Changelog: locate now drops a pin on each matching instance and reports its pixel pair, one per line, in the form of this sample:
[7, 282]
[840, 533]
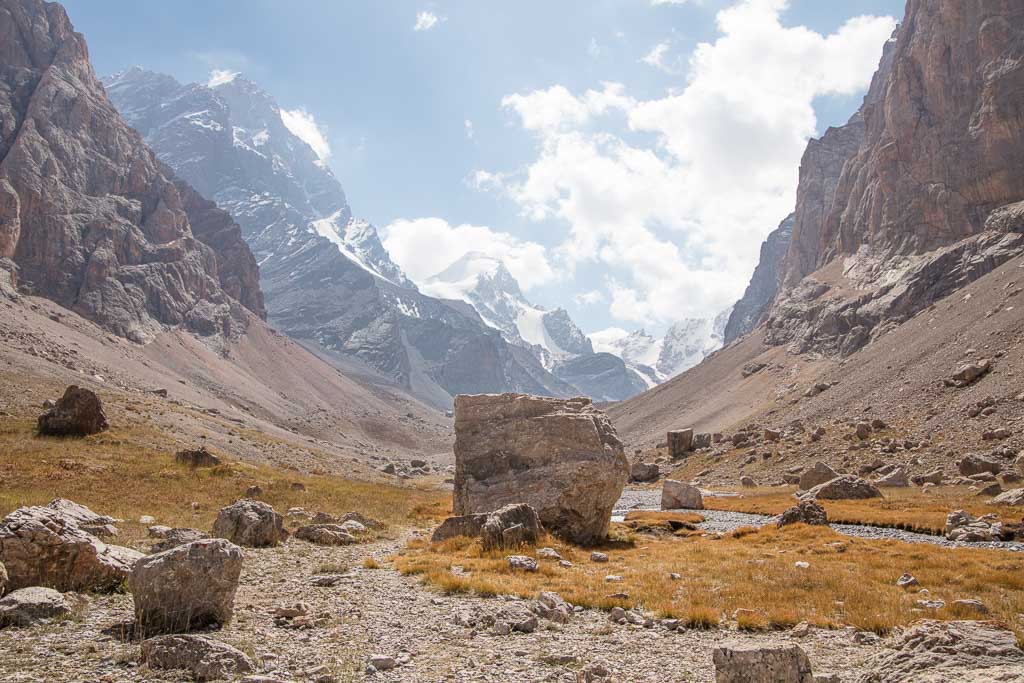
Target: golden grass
[850, 581]
[902, 508]
[130, 471]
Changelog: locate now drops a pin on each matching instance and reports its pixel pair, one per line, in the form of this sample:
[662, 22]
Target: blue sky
[624, 171]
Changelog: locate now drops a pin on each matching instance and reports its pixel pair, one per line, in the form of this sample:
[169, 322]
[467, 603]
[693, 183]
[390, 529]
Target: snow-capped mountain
[326, 277]
[486, 283]
[685, 344]
[551, 336]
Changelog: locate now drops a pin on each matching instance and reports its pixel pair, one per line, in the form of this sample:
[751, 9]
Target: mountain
[328, 281]
[752, 307]
[88, 216]
[686, 343]
[550, 336]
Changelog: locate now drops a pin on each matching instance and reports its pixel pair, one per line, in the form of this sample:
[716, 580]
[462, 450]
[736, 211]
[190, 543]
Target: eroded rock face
[40, 546]
[205, 658]
[926, 200]
[968, 651]
[78, 412]
[86, 212]
[562, 457]
[187, 587]
[759, 663]
[251, 524]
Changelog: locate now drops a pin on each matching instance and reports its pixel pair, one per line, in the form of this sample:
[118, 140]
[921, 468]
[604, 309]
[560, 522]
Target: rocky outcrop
[30, 606]
[40, 546]
[967, 651]
[927, 198]
[78, 412]
[963, 526]
[562, 457]
[750, 663]
[601, 376]
[186, 588]
[251, 524]
[752, 307]
[203, 657]
[86, 213]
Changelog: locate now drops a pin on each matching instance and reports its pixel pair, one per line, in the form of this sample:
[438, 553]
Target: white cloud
[221, 77]
[425, 21]
[470, 132]
[303, 125]
[678, 223]
[590, 298]
[676, 2]
[593, 49]
[604, 340]
[423, 247]
[659, 58]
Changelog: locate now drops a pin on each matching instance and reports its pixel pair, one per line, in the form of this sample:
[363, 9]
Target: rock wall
[86, 212]
[750, 310]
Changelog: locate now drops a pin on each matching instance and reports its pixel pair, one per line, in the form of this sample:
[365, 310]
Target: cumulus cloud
[674, 195]
[660, 59]
[221, 77]
[425, 21]
[423, 247]
[303, 125]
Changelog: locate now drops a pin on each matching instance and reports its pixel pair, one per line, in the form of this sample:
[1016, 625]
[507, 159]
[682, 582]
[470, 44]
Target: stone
[970, 373]
[42, 546]
[254, 491]
[510, 527]
[30, 606]
[518, 618]
[560, 456]
[382, 662]
[965, 527]
[461, 525]
[644, 472]
[990, 490]
[199, 457]
[203, 657]
[3, 579]
[906, 580]
[548, 554]
[87, 520]
[772, 435]
[677, 495]
[702, 440]
[933, 477]
[1011, 497]
[598, 557]
[895, 479]
[186, 588]
[847, 487]
[552, 607]
[961, 651]
[804, 512]
[353, 527]
[680, 442]
[747, 482]
[78, 412]
[862, 431]
[172, 538]
[761, 663]
[818, 474]
[325, 534]
[368, 522]
[973, 464]
[522, 563]
[250, 524]
[969, 605]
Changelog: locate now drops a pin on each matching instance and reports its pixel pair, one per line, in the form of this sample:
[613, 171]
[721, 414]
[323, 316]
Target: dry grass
[850, 581]
[128, 472]
[902, 508]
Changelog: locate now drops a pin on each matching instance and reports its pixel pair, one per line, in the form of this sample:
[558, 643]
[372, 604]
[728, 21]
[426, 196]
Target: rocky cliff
[925, 199]
[88, 216]
[750, 310]
[328, 280]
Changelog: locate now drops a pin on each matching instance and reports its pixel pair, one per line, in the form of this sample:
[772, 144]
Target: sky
[625, 158]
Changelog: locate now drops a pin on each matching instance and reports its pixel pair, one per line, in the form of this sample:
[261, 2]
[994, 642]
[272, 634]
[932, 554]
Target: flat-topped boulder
[761, 663]
[846, 487]
[560, 456]
[678, 495]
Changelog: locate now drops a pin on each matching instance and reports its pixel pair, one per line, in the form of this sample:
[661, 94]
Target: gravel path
[722, 521]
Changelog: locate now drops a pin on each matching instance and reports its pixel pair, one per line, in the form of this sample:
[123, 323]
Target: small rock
[205, 658]
[522, 563]
[30, 606]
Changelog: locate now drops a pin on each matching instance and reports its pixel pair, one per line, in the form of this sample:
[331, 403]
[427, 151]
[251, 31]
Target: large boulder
[172, 538]
[325, 534]
[250, 523]
[561, 457]
[816, 475]
[761, 663]
[965, 527]
[804, 512]
[961, 651]
[87, 520]
[78, 412]
[644, 472]
[680, 442]
[42, 546]
[847, 487]
[198, 457]
[511, 526]
[973, 464]
[461, 525]
[30, 606]
[677, 495]
[203, 657]
[897, 478]
[187, 587]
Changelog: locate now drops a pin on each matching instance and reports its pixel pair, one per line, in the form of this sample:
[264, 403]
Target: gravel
[721, 521]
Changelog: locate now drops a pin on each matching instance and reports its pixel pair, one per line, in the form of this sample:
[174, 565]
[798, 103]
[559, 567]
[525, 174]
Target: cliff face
[923, 201]
[86, 212]
[750, 310]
